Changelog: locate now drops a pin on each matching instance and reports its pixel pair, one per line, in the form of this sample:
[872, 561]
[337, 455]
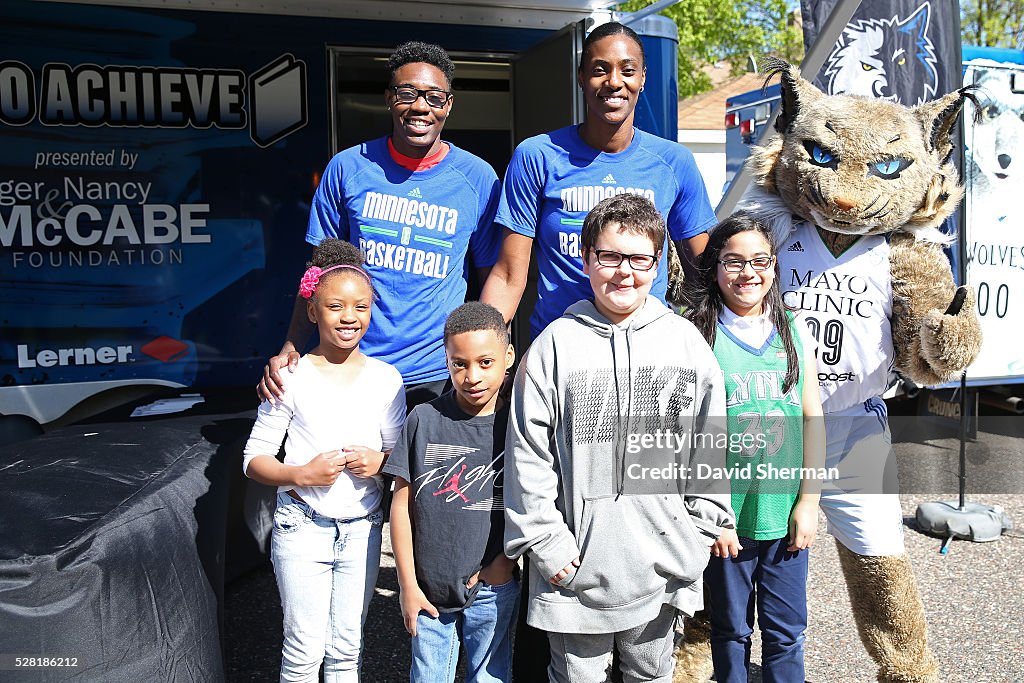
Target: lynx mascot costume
[843, 173]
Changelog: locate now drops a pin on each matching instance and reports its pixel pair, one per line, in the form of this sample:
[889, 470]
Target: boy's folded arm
[533, 522]
[710, 515]
[551, 553]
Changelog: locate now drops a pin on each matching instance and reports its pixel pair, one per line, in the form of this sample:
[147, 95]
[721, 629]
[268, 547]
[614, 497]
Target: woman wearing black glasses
[416, 206]
[554, 179]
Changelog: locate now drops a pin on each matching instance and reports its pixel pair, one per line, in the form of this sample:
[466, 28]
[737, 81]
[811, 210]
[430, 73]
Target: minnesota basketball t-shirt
[415, 229]
[555, 179]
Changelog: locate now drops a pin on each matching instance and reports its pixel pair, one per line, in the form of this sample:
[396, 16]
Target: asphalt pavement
[973, 598]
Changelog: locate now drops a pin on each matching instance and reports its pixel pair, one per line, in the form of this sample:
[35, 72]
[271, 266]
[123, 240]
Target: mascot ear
[937, 119]
[796, 92]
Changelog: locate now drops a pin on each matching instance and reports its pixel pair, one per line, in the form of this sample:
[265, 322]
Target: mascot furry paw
[855, 190]
[693, 651]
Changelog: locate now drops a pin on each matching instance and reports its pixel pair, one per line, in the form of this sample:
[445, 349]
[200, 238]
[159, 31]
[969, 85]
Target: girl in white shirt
[340, 415]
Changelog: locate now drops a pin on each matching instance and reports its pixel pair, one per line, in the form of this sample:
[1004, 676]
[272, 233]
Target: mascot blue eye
[820, 156]
[889, 169]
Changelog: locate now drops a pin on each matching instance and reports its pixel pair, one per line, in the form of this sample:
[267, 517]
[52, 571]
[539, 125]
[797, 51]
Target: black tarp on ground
[112, 544]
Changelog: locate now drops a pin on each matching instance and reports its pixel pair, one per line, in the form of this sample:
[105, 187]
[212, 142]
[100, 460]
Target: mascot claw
[957, 304]
[936, 329]
[951, 340]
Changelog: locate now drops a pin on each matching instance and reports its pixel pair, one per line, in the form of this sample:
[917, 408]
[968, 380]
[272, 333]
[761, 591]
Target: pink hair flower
[310, 279]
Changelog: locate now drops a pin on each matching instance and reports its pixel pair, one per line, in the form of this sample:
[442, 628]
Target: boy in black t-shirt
[447, 515]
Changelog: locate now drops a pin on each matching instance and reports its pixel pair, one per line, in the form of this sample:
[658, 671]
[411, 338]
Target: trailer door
[545, 96]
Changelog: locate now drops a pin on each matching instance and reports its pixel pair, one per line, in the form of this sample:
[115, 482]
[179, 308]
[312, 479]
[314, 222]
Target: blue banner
[902, 50]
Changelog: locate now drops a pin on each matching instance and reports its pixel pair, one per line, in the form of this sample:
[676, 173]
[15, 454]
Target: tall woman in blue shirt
[552, 182]
[554, 179]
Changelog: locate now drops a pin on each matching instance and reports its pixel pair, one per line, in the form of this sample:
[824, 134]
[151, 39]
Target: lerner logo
[165, 349]
[80, 355]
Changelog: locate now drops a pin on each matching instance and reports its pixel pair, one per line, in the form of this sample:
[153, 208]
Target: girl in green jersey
[774, 460]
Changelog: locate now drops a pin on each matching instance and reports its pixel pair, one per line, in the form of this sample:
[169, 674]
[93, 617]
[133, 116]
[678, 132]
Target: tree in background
[711, 31]
[992, 23]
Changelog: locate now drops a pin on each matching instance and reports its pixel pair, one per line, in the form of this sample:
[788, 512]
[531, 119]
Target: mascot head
[861, 166]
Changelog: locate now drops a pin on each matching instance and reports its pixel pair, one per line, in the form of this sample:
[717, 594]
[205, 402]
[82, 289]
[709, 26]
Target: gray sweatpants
[645, 653]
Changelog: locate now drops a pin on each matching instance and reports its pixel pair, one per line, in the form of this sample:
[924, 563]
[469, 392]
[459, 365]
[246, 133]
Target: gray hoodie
[585, 385]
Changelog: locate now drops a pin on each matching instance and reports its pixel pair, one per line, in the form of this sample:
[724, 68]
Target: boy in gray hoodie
[613, 408]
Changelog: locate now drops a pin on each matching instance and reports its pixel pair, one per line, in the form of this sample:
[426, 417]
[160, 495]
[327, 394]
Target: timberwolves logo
[891, 59]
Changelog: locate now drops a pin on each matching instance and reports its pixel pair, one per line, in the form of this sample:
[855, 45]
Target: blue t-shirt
[415, 229]
[554, 179]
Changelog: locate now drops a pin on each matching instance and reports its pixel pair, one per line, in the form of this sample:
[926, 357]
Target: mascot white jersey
[847, 307]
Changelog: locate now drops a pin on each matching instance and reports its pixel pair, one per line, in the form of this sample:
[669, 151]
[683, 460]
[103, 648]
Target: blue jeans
[326, 570]
[764, 574]
[485, 627]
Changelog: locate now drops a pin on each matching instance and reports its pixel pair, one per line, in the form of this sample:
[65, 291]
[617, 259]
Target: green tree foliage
[734, 30]
[993, 23]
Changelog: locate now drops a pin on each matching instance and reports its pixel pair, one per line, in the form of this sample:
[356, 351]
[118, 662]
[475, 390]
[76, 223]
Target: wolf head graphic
[891, 59]
[995, 154]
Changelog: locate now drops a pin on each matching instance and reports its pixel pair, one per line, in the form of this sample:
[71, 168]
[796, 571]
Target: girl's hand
[413, 602]
[498, 572]
[362, 461]
[323, 470]
[726, 545]
[803, 525]
[564, 572]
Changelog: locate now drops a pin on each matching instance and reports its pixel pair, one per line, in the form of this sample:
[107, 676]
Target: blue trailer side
[156, 169]
[746, 115]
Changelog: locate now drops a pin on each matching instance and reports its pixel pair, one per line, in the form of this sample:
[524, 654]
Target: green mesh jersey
[765, 432]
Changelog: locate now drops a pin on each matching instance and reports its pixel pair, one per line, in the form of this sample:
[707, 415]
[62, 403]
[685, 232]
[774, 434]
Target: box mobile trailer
[157, 161]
